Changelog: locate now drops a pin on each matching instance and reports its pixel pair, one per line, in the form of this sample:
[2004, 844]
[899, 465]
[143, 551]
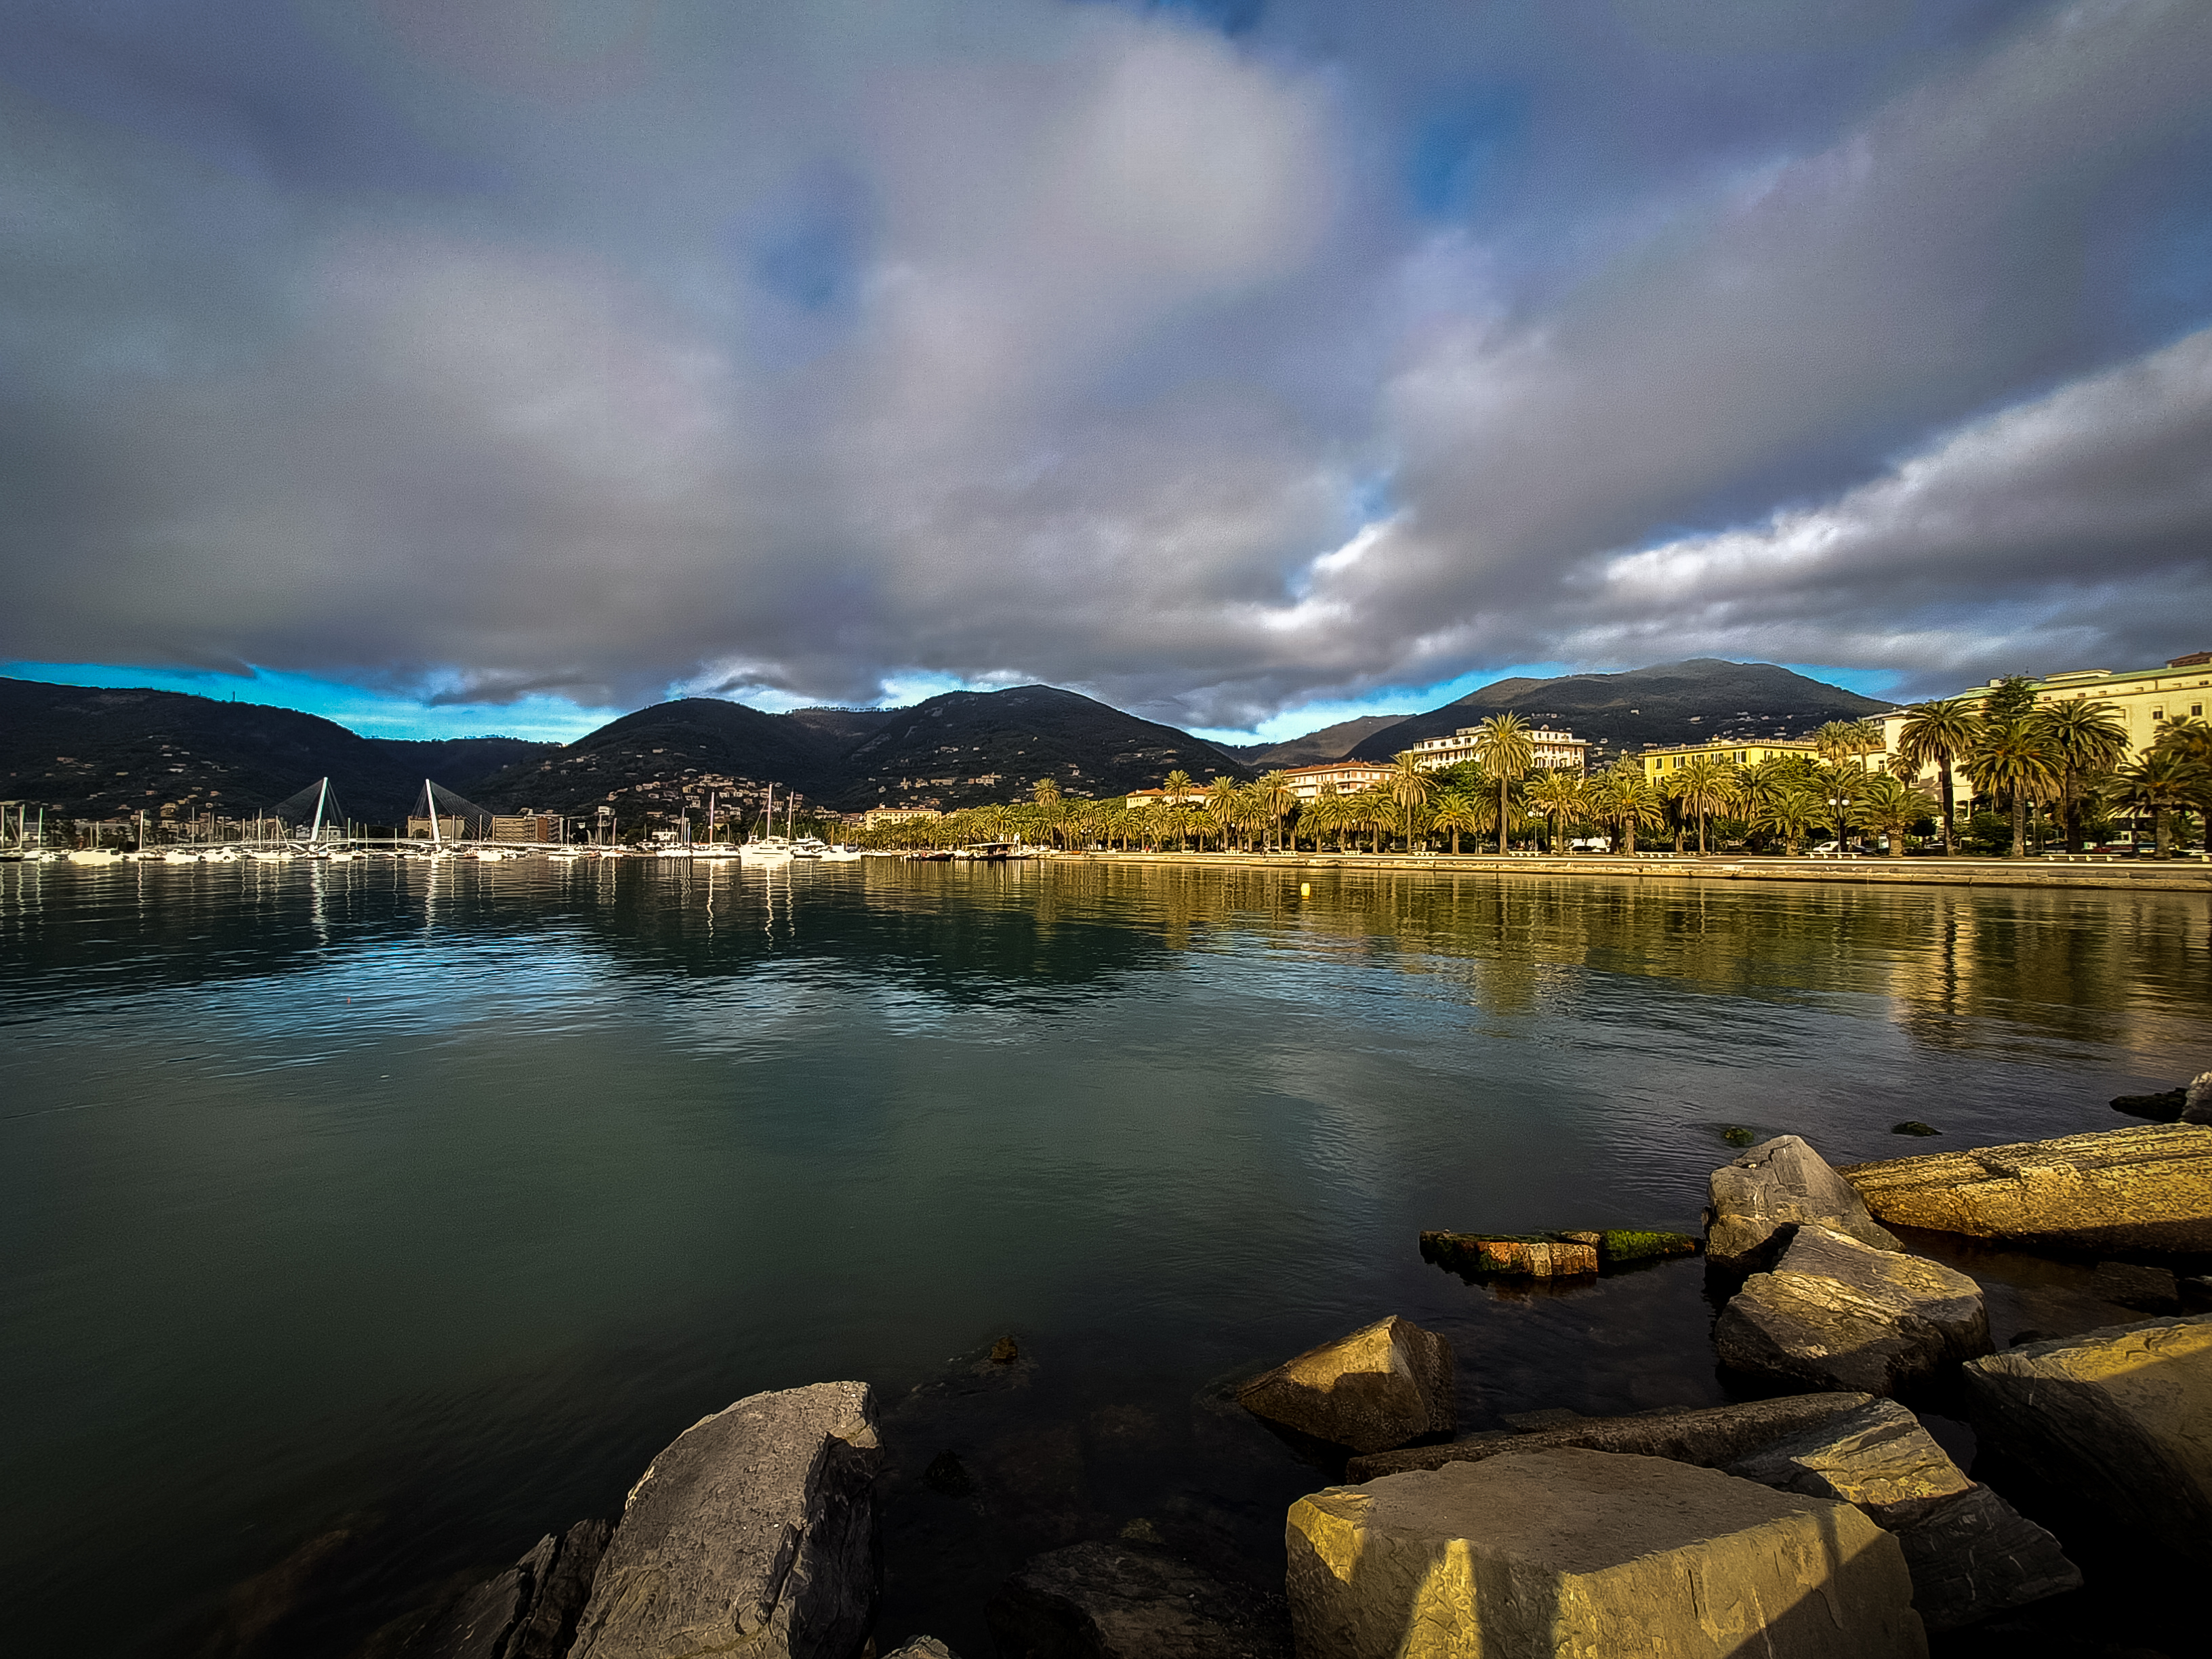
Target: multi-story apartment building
[875, 816]
[1347, 777]
[1658, 761]
[1553, 750]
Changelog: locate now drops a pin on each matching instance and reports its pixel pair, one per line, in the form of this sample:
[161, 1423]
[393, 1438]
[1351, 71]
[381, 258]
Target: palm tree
[2158, 783]
[1412, 788]
[1276, 800]
[1703, 787]
[1044, 796]
[2085, 738]
[2191, 739]
[1841, 741]
[1504, 747]
[1371, 810]
[1624, 799]
[1220, 805]
[1458, 812]
[1176, 785]
[1787, 808]
[1889, 805]
[1938, 732]
[1560, 796]
[2010, 758]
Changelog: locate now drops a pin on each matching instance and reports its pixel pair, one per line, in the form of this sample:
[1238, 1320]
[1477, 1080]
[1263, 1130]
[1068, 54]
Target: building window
[2196, 708]
[2158, 713]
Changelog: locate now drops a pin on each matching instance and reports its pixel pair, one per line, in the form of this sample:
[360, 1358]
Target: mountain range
[1673, 703]
[100, 753]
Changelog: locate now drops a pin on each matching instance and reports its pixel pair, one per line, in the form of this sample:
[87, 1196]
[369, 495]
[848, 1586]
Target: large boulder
[1971, 1555]
[2145, 1187]
[1571, 1552]
[1779, 1183]
[1130, 1600]
[1838, 1314]
[2197, 1099]
[754, 1531]
[2119, 1420]
[1380, 1387]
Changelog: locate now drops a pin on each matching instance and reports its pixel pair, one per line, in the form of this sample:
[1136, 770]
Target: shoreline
[2174, 875]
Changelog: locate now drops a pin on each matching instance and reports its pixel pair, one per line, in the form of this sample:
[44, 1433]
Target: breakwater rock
[1778, 1183]
[1384, 1384]
[1970, 1554]
[2147, 1187]
[756, 1529]
[1838, 1314]
[1569, 1551]
[2120, 1419]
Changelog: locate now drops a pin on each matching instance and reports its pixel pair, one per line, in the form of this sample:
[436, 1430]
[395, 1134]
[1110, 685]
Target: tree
[1276, 801]
[1177, 784]
[2158, 783]
[2190, 739]
[1412, 788]
[1705, 785]
[1937, 733]
[1560, 796]
[1839, 742]
[1889, 805]
[1457, 811]
[2085, 740]
[2012, 698]
[1504, 747]
[1220, 804]
[1627, 800]
[1786, 807]
[2010, 758]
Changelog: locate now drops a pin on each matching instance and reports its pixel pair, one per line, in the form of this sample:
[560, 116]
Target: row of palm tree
[2010, 748]
[2067, 753]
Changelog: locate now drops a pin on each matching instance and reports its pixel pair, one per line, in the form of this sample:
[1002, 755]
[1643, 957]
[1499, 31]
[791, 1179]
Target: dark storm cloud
[1211, 364]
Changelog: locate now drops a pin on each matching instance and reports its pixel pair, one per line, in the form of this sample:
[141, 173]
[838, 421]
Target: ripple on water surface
[426, 1204]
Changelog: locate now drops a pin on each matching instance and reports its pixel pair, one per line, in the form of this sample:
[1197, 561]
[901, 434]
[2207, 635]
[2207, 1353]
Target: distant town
[2078, 763]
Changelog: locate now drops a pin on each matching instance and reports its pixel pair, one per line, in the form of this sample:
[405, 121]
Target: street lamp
[1842, 805]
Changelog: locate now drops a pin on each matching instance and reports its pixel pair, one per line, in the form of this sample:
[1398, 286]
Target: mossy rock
[1511, 1255]
[1617, 1245]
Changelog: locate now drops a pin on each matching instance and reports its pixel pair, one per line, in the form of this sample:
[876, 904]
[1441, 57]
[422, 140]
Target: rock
[2197, 1099]
[1579, 1553]
[1616, 1247]
[1913, 1125]
[1550, 1417]
[1974, 1556]
[1711, 1436]
[1005, 1351]
[561, 1573]
[1838, 1314]
[1378, 1388]
[2161, 1108]
[756, 1525]
[2120, 1419]
[1124, 1601]
[2145, 1187]
[1736, 1135]
[922, 1647]
[2153, 1290]
[1775, 1184]
[1527, 1255]
[1970, 1553]
[1876, 1457]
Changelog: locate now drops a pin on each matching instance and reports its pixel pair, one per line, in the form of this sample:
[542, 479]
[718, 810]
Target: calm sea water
[422, 1206]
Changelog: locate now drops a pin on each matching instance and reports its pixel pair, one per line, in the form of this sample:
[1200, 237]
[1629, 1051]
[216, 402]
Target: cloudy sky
[486, 364]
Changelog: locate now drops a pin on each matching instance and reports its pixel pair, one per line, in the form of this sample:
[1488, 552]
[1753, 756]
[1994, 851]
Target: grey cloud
[797, 350]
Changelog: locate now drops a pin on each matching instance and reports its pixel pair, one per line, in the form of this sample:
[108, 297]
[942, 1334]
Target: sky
[452, 366]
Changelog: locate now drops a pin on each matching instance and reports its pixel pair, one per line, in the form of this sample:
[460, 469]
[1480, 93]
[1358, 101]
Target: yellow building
[875, 816]
[2144, 698]
[1729, 751]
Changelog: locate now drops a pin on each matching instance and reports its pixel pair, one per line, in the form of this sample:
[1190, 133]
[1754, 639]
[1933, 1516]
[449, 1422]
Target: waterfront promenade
[2192, 875]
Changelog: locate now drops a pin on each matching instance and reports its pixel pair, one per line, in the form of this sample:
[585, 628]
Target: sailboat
[770, 849]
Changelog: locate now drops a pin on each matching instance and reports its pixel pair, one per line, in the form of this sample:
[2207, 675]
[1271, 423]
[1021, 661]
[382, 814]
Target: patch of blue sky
[1231, 17]
[372, 714]
[1867, 682]
[1456, 147]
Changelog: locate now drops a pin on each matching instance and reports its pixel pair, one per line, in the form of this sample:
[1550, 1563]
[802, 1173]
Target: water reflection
[450, 1191]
